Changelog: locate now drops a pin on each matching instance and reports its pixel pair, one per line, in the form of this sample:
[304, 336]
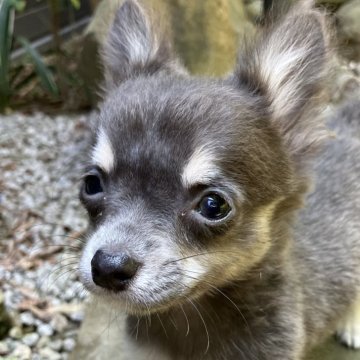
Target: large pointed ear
[287, 66]
[135, 46]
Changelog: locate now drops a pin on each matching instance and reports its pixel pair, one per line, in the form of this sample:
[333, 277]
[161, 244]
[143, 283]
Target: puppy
[196, 191]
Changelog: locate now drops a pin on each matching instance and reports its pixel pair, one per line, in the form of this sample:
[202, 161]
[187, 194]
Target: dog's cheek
[85, 265]
[240, 250]
[194, 271]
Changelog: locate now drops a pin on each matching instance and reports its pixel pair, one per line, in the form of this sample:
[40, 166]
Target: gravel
[56, 345]
[4, 348]
[69, 344]
[26, 318]
[59, 323]
[31, 339]
[21, 352]
[45, 330]
[41, 232]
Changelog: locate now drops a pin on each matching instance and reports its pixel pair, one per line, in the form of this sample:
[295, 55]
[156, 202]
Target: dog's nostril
[113, 271]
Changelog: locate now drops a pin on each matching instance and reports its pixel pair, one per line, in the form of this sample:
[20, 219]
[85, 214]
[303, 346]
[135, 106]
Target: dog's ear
[286, 66]
[135, 47]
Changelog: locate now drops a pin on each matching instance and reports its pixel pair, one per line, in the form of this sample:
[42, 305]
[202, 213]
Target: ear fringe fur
[137, 44]
[288, 66]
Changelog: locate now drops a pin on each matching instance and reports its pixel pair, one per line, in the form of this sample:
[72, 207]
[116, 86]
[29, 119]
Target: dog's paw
[348, 331]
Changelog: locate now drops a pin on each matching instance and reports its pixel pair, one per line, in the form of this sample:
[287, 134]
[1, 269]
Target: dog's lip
[132, 303]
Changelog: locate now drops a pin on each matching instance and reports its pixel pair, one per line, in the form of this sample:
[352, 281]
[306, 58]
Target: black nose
[113, 271]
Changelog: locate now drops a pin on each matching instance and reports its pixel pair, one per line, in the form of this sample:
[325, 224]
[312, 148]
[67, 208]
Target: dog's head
[188, 176]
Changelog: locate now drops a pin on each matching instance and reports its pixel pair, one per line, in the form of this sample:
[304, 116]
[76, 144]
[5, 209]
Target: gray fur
[257, 285]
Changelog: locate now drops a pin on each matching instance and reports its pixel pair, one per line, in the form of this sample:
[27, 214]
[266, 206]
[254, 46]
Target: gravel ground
[41, 229]
[42, 226]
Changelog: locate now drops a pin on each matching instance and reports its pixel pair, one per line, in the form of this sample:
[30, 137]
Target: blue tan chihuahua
[217, 224]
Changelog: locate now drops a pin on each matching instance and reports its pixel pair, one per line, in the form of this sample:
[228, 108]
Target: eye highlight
[92, 185]
[213, 207]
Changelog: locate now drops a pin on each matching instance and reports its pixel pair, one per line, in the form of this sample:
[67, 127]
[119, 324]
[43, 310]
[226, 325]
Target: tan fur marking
[103, 154]
[200, 169]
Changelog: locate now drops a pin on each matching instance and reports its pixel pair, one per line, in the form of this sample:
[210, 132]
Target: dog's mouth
[141, 304]
[141, 297]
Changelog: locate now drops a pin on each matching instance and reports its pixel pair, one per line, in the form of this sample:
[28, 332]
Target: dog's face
[187, 175]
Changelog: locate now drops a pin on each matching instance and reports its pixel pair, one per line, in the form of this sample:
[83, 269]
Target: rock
[348, 19]
[43, 342]
[56, 345]
[27, 318]
[98, 27]
[4, 348]
[45, 330]
[68, 294]
[31, 339]
[77, 316]
[15, 332]
[69, 345]
[21, 352]
[207, 33]
[59, 323]
[48, 354]
[89, 67]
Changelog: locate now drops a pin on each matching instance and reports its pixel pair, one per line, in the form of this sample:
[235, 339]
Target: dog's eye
[92, 185]
[213, 207]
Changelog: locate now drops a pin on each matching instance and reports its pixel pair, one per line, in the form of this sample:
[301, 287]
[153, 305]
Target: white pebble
[21, 352]
[56, 345]
[27, 318]
[4, 348]
[47, 353]
[69, 344]
[45, 330]
[31, 339]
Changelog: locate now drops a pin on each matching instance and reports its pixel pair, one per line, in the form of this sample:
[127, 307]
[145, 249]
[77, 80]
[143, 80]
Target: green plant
[76, 4]
[41, 69]
[7, 14]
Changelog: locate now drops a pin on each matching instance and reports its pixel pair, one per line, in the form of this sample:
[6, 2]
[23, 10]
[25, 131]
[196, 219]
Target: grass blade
[75, 4]
[7, 12]
[44, 73]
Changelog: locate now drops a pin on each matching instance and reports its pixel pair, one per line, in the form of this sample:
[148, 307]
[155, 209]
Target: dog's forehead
[166, 126]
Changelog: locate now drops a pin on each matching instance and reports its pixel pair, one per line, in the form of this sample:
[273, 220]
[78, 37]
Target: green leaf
[19, 5]
[76, 4]
[7, 16]
[7, 13]
[45, 75]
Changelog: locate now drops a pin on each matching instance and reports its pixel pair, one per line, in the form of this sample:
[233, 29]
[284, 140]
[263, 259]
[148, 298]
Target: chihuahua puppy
[196, 191]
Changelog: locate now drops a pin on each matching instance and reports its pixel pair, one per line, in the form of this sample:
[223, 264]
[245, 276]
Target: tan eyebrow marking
[201, 168]
[103, 154]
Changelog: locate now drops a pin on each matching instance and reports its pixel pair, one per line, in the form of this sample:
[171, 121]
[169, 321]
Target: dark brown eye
[213, 207]
[92, 185]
